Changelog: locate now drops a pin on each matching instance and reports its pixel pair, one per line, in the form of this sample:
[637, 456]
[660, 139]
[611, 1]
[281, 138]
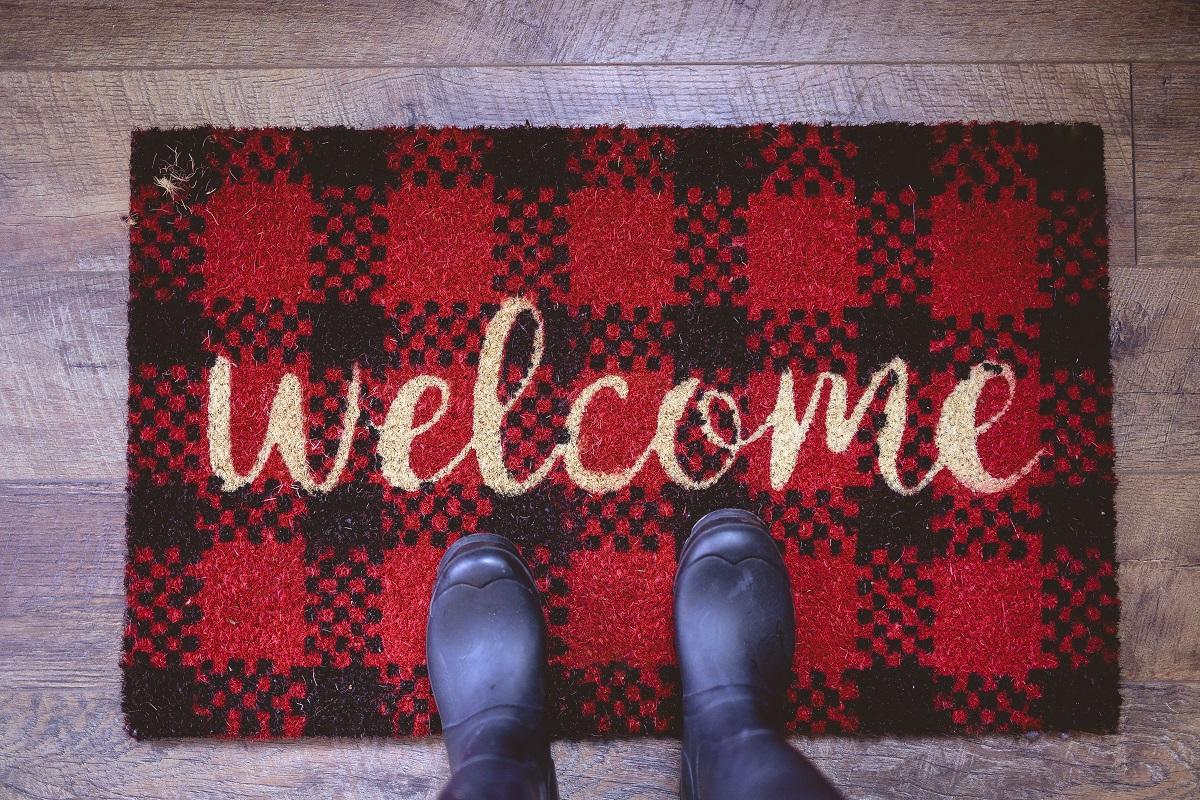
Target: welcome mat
[349, 348]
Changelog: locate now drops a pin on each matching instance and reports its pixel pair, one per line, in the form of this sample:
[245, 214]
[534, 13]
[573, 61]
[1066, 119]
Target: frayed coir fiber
[349, 348]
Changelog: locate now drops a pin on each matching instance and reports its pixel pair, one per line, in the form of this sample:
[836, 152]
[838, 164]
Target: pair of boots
[734, 634]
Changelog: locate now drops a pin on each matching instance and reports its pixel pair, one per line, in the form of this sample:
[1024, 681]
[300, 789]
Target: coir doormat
[349, 348]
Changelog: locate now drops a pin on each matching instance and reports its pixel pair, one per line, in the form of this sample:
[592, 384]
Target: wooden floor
[76, 76]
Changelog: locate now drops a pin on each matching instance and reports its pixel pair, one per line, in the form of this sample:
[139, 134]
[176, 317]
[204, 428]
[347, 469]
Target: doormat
[349, 348]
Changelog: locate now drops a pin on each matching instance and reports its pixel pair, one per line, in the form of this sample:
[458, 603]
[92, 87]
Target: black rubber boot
[735, 635]
[487, 661]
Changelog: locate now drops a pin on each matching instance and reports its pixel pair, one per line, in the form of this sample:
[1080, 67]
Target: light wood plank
[64, 185]
[62, 566]
[1158, 518]
[1155, 329]
[62, 366]
[324, 33]
[1167, 130]
[69, 743]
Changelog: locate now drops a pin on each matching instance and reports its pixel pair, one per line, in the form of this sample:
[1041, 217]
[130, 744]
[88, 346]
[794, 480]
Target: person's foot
[487, 653]
[735, 636]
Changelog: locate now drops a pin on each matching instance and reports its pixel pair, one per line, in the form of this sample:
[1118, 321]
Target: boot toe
[733, 535]
[485, 640]
[734, 622]
[478, 560]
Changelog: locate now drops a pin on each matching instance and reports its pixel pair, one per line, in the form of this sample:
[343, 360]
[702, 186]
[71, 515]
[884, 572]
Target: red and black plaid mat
[349, 348]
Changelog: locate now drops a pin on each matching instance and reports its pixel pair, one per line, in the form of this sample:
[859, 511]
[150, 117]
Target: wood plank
[63, 561]
[428, 32]
[62, 566]
[1166, 114]
[1155, 329]
[62, 366]
[1159, 632]
[1158, 518]
[70, 743]
[64, 185]
[1157, 434]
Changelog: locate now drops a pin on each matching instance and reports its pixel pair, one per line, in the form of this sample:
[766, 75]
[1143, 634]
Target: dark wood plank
[1158, 601]
[428, 32]
[70, 743]
[1158, 517]
[1166, 100]
[1157, 434]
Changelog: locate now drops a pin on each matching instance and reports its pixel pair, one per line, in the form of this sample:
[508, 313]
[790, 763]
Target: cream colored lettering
[957, 433]
[669, 415]
[841, 424]
[285, 432]
[589, 480]
[787, 432]
[487, 440]
[398, 433]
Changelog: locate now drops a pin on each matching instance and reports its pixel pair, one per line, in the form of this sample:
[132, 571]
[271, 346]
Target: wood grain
[62, 366]
[1167, 130]
[1160, 634]
[70, 743]
[1158, 518]
[1155, 329]
[64, 186]
[124, 33]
